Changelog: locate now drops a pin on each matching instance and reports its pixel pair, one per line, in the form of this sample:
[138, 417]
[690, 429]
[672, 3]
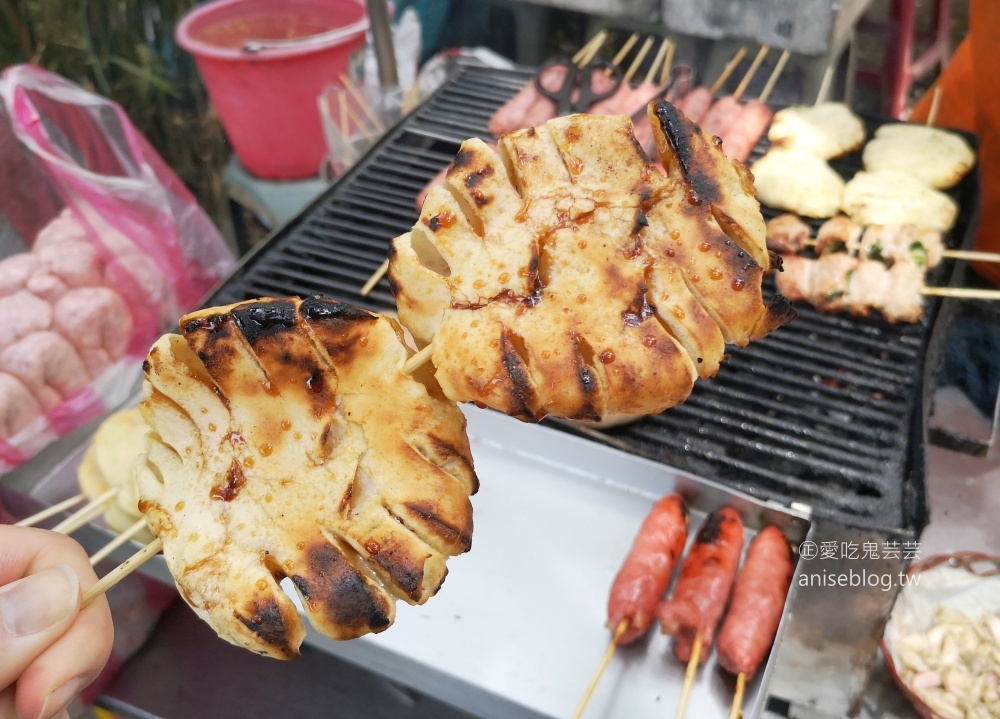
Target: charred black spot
[532, 132]
[639, 310]
[405, 571]
[712, 530]
[434, 223]
[393, 286]
[323, 308]
[480, 199]
[462, 159]
[684, 138]
[478, 176]
[639, 222]
[146, 366]
[438, 526]
[521, 385]
[266, 622]
[258, 320]
[777, 264]
[334, 588]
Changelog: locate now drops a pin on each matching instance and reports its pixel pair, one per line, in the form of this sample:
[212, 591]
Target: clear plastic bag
[101, 249]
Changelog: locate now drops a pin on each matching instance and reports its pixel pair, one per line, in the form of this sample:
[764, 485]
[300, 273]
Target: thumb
[34, 612]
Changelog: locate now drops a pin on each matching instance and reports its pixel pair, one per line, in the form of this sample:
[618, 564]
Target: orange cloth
[970, 100]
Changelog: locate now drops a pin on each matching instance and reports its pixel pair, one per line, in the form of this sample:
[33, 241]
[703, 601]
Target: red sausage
[758, 600]
[703, 587]
[696, 103]
[742, 135]
[511, 115]
[724, 113]
[644, 576]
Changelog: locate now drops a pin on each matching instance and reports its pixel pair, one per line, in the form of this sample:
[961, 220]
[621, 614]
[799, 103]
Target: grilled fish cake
[566, 276]
[287, 442]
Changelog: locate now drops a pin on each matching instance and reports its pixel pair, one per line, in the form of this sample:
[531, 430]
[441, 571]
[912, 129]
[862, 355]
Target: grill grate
[827, 410]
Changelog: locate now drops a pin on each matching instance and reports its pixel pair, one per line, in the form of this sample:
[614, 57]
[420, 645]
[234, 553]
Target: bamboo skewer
[594, 44]
[736, 711]
[824, 86]
[668, 62]
[345, 128]
[124, 569]
[374, 279]
[118, 541]
[660, 54]
[589, 55]
[85, 513]
[969, 293]
[633, 38]
[935, 105]
[360, 99]
[689, 674]
[775, 73]
[971, 255]
[634, 67]
[741, 88]
[728, 70]
[361, 125]
[51, 511]
[411, 365]
[622, 626]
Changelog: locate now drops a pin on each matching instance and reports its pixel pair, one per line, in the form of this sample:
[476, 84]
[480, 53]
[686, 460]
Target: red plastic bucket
[264, 63]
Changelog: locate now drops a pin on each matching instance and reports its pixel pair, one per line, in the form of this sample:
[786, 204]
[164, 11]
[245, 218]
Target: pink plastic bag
[93, 223]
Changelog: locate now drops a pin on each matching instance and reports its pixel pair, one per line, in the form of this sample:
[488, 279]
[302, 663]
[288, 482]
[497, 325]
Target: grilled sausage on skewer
[696, 103]
[758, 600]
[644, 576]
[703, 588]
[746, 129]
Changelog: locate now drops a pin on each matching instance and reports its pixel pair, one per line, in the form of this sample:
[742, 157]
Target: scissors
[581, 79]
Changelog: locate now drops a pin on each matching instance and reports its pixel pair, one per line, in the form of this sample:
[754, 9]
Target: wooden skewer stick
[51, 511]
[728, 70]
[360, 99]
[591, 46]
[660, 54]
[411, 365]
[741, 88]
[973, 293]
[633, 38]
[622, 626]
[345, 127]
[375, 278]
[935, 105]
[634, 67]
[824, 86]
[590, 55]
[689, 674]
[668, 62]
[121, 571]
[118, 541]
[361, 125]
[775, 73]
[971, 255]
[736, 711]
[85, 513]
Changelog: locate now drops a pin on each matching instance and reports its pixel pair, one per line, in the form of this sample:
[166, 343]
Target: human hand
[50, 649]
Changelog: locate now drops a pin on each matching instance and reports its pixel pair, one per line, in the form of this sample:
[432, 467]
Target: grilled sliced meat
[568, 276]
[288, 442]
[787, 234]
[838, 234]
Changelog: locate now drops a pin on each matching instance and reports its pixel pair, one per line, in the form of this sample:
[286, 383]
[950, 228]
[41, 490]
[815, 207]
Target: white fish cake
[287, 442]
[797, 181]
[827, 129]
[895, 199]
[936, 157]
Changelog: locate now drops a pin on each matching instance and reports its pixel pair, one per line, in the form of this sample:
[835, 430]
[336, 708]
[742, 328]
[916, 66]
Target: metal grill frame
[850, 411]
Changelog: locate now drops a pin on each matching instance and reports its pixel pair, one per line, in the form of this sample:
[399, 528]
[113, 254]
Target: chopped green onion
[919, 254]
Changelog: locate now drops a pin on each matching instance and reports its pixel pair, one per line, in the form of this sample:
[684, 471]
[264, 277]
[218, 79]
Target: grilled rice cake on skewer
[895, 199]
[288, 442]
[566, 276]
[826, 129]
[935, 157]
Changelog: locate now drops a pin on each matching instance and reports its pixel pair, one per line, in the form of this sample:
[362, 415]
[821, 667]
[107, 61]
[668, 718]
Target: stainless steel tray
[517, 629]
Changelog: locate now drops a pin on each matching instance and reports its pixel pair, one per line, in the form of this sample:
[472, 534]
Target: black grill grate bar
[402, 212]
[808, 424]
[814, 392]
[717, 426]
[284, 282]
[311, 250]
[862, 361]
[415, 158]
[777, 483]
[743, 419]
[379, 227]
[810, 323]
[837, 371]
[396, 197]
